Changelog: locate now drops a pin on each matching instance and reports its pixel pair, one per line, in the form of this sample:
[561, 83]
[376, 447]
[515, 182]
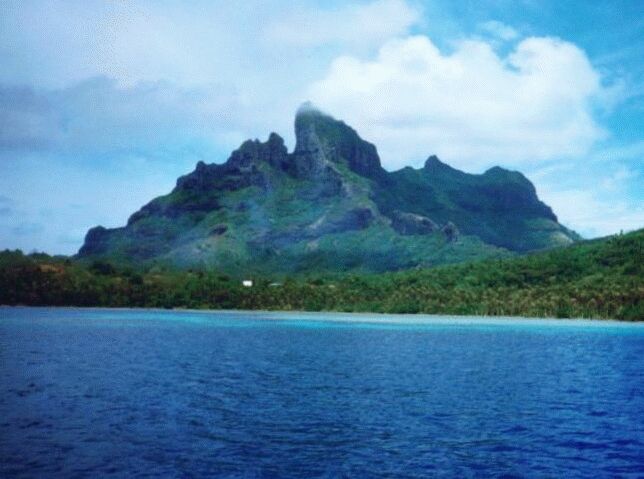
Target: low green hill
[602, 278]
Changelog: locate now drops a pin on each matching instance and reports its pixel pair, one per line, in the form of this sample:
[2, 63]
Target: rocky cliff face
[320, 139]
[412, 224]
[329, 206]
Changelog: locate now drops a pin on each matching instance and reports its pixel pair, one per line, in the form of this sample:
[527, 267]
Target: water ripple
[158, 394]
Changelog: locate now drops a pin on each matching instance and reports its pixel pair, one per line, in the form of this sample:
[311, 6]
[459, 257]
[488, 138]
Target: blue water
[109, 393]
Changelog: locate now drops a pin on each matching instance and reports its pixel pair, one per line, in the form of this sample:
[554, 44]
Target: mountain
[329, 206]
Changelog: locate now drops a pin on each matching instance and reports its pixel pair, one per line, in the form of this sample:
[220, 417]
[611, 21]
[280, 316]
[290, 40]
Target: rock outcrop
[450, 231]
[412, 224]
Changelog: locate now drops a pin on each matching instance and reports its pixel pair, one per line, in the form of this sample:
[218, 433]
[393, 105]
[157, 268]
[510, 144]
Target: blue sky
[104, 104]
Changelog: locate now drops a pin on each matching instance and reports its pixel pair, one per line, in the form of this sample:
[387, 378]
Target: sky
[104, 104]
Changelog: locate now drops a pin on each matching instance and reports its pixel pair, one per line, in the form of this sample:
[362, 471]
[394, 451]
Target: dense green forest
[593, 279]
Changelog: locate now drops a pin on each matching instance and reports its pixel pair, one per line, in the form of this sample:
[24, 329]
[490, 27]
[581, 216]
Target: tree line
[593, 279]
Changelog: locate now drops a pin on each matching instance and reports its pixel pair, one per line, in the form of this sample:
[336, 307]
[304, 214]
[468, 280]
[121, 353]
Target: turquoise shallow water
[125, 393]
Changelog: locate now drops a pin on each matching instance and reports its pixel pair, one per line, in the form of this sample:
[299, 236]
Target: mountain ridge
[329, 205]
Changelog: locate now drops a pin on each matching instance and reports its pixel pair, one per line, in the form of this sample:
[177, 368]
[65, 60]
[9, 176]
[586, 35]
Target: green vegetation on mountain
[327, 207]
[593, 279]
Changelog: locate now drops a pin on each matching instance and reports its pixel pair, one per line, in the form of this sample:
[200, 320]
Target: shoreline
[402, 318]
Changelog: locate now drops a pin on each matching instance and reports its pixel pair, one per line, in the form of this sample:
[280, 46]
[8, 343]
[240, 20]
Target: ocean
[149, 393]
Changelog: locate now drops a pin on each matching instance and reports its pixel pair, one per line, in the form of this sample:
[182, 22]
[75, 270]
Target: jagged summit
[434, 165]
[329, 206]
[308, 108]
[323, 136]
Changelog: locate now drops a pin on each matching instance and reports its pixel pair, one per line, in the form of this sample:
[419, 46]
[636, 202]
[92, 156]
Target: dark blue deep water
[109, 393]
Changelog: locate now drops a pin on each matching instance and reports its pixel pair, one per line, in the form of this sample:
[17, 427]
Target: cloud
[166, 78]
[350, 25]
[218, 70]
[596, 197]
[25, 120]
[99, 116]
[586, 212]
[142, 41]
[252, 44]
[471, 107]
[499, 30]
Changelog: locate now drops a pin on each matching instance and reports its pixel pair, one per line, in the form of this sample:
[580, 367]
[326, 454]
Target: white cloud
[596, 197]
[586, 212]
[350, 25]
[256, 44]
[471, 107]
[499, 30]
[252, 64]
[250, 61]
